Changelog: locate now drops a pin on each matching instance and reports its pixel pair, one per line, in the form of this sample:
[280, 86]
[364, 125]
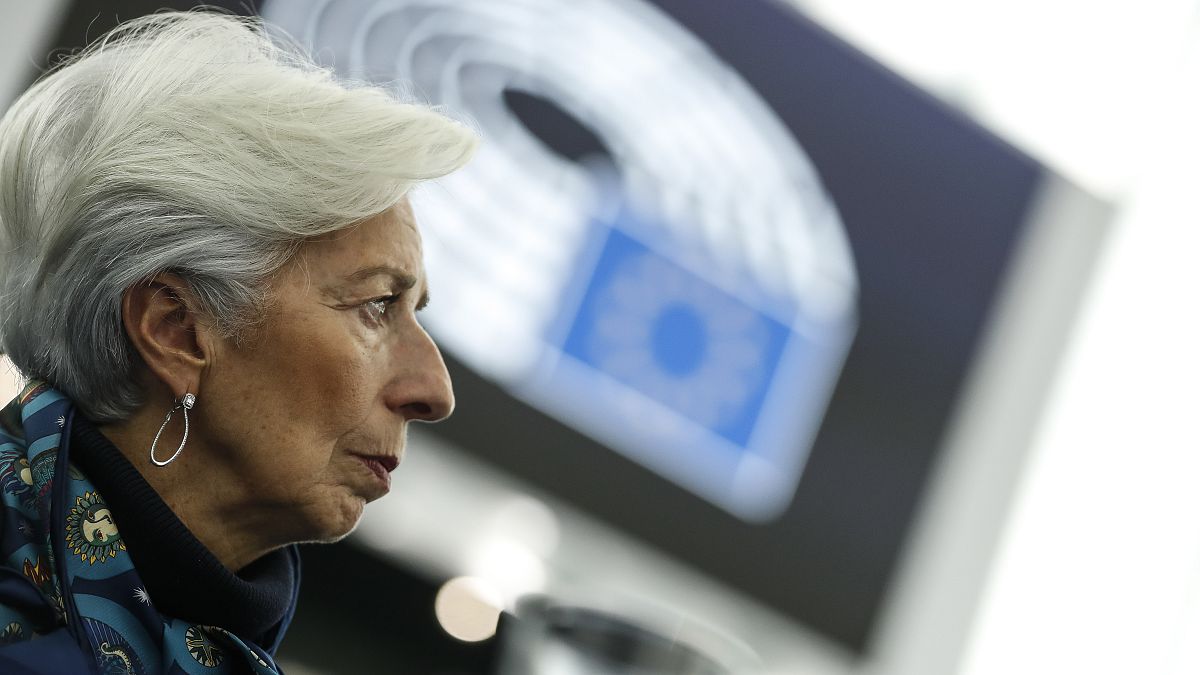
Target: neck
[204, 493]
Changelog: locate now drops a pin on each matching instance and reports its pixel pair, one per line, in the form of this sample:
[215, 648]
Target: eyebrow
[401, 280]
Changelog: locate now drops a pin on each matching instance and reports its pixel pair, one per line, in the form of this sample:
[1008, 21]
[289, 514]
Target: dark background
[932, 206]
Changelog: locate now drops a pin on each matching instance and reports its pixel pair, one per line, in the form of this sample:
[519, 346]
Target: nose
[422, 390]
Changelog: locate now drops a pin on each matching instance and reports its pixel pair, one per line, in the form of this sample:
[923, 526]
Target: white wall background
[1099, 568]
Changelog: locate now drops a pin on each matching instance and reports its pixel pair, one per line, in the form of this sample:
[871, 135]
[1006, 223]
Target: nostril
[421, 410]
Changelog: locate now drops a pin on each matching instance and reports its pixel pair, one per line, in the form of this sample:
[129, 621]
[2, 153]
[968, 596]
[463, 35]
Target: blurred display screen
[639, 239]
[713, 276]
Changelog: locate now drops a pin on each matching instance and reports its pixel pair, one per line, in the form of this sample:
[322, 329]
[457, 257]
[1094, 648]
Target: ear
[163, 322]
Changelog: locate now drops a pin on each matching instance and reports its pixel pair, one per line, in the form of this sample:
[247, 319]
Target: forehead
[389, 239]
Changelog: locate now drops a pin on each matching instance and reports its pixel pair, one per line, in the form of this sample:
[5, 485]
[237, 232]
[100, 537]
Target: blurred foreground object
[548, 637]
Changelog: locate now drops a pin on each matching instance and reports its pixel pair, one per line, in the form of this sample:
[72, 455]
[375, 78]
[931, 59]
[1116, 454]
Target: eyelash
[383, 303]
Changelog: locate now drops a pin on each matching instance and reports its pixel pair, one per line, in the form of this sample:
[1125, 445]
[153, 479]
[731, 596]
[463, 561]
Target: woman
[210, 273]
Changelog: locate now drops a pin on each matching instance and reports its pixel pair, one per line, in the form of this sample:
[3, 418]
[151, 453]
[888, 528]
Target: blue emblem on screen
[684, 364]
[670, 334]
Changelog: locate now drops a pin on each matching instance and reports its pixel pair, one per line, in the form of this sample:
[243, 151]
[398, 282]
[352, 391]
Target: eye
[376, 310]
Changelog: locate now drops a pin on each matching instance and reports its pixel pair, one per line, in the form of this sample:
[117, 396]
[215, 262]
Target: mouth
[380, 465]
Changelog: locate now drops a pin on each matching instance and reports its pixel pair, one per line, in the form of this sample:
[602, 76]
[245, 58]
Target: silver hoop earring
[186, 404]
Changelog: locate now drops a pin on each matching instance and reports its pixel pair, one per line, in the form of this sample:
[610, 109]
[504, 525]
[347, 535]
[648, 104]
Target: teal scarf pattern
[66, 577]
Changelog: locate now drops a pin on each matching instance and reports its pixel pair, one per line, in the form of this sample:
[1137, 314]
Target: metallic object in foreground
[549, 638]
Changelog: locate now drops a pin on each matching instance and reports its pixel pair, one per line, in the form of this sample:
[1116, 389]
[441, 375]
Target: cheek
[332, 393]
[294, 398]
[283, 407]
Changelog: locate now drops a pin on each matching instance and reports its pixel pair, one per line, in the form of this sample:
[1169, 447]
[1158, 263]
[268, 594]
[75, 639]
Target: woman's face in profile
[311, 411]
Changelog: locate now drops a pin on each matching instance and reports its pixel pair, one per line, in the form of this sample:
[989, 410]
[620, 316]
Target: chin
[337, 523]
[334, 538]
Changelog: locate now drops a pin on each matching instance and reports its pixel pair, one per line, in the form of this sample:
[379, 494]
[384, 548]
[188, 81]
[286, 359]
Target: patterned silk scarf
[64, 567]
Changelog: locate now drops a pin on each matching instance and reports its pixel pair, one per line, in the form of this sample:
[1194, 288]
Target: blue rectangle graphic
[668, 333]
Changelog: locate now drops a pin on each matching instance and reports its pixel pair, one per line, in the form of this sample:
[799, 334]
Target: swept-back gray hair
[192, 143]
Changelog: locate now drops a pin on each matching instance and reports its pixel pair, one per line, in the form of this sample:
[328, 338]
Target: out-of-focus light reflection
[529, 521]
[510, 566]
[468, 608]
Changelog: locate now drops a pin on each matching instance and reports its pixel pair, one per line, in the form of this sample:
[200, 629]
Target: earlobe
[164, 325]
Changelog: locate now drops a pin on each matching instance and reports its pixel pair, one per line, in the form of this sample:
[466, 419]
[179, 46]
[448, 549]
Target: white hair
[192, 143]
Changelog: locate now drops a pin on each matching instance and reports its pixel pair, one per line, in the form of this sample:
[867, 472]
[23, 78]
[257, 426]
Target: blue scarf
[65, 576]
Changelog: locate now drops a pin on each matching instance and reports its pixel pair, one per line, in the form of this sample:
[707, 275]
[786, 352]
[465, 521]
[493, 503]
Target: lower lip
[378, 469]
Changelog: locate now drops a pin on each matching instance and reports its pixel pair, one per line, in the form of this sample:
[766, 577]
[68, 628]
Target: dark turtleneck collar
[182, 577]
